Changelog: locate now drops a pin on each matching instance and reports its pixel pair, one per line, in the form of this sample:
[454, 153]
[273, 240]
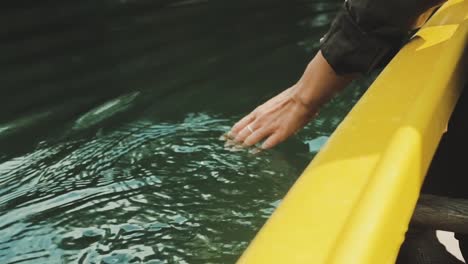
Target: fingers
[274, 121]
[245, 132]
[241, 125]
[273, 140]
[256, 137]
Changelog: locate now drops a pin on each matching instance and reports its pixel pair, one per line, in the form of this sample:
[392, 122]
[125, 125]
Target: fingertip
[235, 132]
[249, 141]
[266, 146]
[257, 136]
[271, 141]
[229, 143]
[239, 138]
[231, 135]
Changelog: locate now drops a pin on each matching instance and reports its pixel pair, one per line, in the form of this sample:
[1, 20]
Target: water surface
[110, 118]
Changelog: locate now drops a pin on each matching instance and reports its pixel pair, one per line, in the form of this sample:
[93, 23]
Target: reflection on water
[111, 114]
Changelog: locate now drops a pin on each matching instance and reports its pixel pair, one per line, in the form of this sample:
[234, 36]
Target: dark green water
[110, 118]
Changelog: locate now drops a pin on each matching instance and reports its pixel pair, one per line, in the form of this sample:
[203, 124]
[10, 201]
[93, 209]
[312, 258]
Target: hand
[275, 120]
[289, 111]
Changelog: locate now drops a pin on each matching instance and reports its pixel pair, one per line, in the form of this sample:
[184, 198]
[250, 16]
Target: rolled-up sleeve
[367, 33]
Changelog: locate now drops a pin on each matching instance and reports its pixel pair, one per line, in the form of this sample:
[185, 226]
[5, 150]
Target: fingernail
[265, 146]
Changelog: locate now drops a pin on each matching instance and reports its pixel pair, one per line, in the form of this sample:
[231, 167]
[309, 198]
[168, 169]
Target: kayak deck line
[354, 201]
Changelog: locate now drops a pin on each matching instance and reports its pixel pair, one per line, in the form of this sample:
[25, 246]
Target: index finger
[241, 125]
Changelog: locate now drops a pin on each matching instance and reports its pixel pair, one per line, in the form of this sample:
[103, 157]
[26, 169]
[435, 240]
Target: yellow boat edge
[353, 203]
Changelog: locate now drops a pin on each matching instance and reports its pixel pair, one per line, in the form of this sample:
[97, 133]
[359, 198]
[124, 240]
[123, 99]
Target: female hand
[289, 111]
[275, 120]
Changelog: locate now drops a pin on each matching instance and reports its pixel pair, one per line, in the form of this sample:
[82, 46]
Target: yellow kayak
[353, 203]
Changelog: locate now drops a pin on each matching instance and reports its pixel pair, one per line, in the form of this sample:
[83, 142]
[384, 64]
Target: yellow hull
[354, 201]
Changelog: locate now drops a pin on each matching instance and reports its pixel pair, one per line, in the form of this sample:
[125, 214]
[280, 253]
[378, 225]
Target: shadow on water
[110, 118]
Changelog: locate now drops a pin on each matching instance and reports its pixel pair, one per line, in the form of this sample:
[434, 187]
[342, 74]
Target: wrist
[305, 95]
[319, 83]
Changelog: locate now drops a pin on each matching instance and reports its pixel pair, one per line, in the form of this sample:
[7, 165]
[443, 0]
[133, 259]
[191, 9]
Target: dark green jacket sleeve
[367, 33]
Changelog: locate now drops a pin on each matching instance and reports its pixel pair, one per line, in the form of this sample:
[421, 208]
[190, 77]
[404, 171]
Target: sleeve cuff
[348, 49]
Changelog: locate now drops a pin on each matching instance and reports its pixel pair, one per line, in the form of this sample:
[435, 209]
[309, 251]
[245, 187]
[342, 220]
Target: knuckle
[262, 120]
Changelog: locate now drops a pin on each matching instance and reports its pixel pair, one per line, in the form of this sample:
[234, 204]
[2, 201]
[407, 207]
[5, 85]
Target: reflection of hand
[275, 121]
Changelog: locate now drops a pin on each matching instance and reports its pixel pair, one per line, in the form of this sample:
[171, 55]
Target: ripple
[114, 155]
[122, 194]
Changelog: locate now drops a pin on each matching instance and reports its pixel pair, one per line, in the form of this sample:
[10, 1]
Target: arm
[365, 34]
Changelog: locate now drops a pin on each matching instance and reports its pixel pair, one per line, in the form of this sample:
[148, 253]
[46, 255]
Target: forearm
[320, 80]
[319, 83]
